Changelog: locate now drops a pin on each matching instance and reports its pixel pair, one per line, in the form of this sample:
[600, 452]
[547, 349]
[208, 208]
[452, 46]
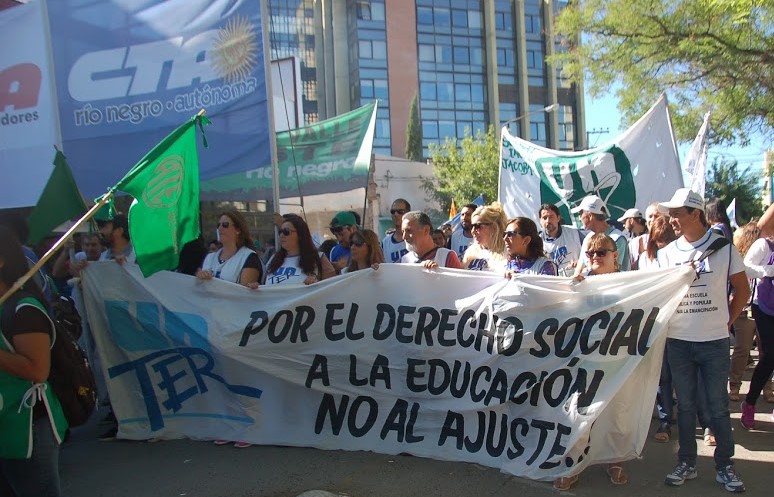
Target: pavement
[175, 468]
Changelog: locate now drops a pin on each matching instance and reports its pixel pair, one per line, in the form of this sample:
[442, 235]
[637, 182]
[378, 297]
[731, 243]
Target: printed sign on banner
[639, 167]
[538, 377]
[130, 71]
[27, 112]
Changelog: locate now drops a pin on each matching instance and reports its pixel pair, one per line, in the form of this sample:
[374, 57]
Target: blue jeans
[688, 360]
[664, 401]
[39, 475]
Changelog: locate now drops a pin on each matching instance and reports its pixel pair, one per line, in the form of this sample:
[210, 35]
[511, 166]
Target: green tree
[464, 168]
[726, 182]
[709, 55]
[414, 133]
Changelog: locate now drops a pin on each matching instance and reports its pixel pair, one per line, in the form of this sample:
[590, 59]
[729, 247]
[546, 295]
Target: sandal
[709, 438]
[566, 482]
[664, 433]
[617, 474]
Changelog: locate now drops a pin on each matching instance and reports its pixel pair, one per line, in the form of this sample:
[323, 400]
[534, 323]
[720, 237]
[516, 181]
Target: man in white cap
[594, 215]
[634, 227]
[697, 336]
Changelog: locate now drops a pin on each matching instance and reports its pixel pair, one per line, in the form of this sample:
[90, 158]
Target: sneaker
[109, 435]
[222, 442]
[748, 416]
[242, 445]
[681, 473]
[730, 479]
[709, 438]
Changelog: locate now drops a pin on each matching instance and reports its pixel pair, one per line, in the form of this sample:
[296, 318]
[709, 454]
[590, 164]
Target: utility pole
[596, 132]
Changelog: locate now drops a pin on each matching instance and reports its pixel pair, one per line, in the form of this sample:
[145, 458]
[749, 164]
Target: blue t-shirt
[339, 252]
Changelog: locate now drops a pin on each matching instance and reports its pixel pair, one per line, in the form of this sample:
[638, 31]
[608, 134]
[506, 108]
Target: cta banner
[639, 167]
[27, 110]
[130, 71]
[332, 156]
[538, 376]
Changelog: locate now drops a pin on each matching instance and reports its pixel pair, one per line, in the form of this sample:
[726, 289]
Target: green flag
[59, 202]
[165, 213]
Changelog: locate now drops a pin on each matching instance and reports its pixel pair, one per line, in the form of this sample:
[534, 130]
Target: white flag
[696, 162]
[731, 212]
[638, 167]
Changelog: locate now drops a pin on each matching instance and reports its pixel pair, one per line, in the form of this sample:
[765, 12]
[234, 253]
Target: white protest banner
[538, 377]
[638, 167]
[28, 129]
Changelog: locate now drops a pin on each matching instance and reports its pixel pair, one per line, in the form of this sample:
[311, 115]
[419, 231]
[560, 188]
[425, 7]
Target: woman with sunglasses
[487, 252]
[32, 425]
[236, 261]
[366, 251]
[602, 256]
[297, 260]
[525, 250]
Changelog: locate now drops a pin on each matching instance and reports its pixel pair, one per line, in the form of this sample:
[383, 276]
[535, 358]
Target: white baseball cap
[630, 214]
[683, 197]
[592, 204]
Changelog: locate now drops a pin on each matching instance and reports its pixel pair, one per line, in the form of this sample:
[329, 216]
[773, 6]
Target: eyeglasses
[477, 226]
[358, 243]
[285, 231]
[511, 234]
[224, 225]
[397, 211]
[597, 253]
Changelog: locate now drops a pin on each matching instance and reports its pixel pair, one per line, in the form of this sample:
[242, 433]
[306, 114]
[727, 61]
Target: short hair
[121, 221]
[599, 217]
[702, 216]
[470, 206]
[419, 217]
[549, 207]
[715, 210]
[405, 203]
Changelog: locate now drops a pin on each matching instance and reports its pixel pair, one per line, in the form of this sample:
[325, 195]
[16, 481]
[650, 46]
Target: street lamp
[549, 108]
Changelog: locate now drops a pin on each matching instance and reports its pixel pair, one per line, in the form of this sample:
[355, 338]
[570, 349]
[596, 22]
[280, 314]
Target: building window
[425, 15]
[461, 55]
[427, 53]
[442, 17]
[427, 91]
[460, 18]
[474, 19]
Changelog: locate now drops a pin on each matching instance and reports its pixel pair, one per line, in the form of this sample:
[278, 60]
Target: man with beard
[393, 245]
[115, 236]
[463, 236]
[561, 243]
[417, 231]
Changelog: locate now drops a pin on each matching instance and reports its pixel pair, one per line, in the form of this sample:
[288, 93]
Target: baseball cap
[683, 197]
[343, 218]
[630, 214]
[592, 204]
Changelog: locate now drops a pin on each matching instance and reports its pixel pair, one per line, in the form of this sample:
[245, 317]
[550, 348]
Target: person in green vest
[32, 424]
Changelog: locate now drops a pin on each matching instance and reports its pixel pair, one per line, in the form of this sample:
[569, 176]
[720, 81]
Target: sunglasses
[224, 225]
[510, 234]
[285, 231]
[358, 243]
[477, 226]
[597, 253]
[397, 211]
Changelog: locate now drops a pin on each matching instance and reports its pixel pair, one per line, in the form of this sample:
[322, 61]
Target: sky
[602, 114]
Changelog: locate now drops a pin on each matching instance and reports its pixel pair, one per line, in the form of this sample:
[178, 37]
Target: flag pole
[54, 248]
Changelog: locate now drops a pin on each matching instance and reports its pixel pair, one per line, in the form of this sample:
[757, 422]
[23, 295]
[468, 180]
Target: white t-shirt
[703, 312]
[460, 242]
[441, 257]
[289, 273]
[477, 258]
[393, 250]
[231, 268]
[565, 249]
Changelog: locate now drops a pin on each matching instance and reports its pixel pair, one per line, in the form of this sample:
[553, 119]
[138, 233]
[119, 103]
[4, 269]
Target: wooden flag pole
[54, 248]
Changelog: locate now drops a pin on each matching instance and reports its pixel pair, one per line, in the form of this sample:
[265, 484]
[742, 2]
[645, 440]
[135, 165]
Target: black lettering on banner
[518, 449]
[380, 371]
[413, 374]
[318, 371]
[603, 318]
[557, 449]
[426, 322]
[548, 326]
[444, 325]
[402, 422]
[611, 329]
[561, 334]
[331, 321]
[543, 427]
[371, 414]
[404, 324]
[337, 415]
[525, 377]
[384, 311]
[517, 336]
[642, 344]
[467, 316]
[627, 336]
[284, 323]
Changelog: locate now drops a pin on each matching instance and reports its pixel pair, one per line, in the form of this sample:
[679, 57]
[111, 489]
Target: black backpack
[71, 377]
